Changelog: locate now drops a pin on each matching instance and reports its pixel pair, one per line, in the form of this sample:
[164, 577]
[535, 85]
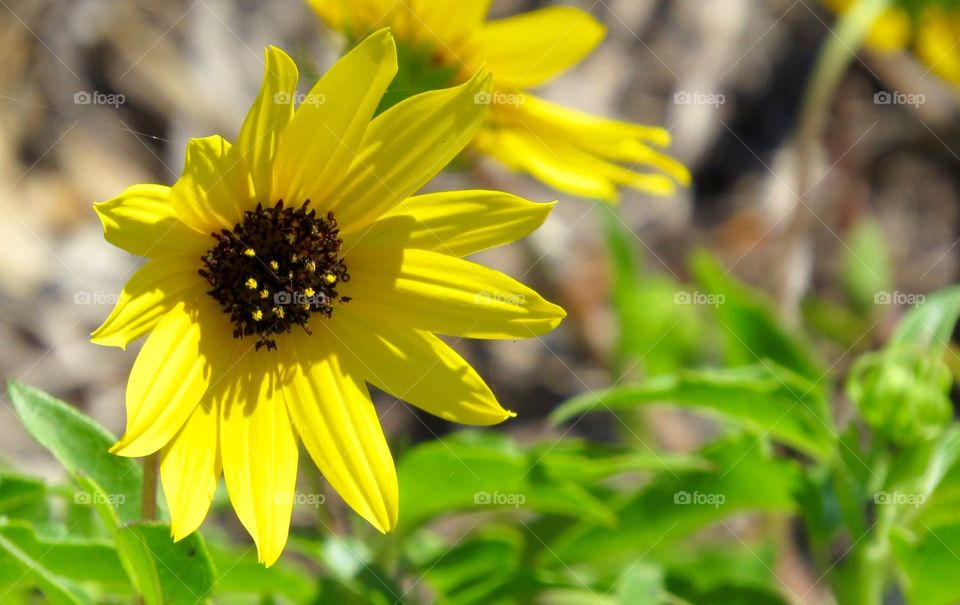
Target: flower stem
[151, 467]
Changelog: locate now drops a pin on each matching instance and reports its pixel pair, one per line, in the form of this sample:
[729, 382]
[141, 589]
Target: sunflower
[287, 272]
[930, 29]
[445, 42]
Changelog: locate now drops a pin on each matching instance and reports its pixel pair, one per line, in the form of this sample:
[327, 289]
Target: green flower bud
[902, 393]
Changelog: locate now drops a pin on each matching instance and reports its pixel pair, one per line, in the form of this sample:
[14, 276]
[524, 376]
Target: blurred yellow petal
[524, 153]
[149, 294]
[268, 117]
[338, 424]
[215, 187]
[168, 379]
[458, 223]
[143, 221]
[405, 147]
[325, 133]
[528, 49]
[418, 368]
[438, 293]
[189, 469]
[258, 448]
[938, 44]
[448, 22]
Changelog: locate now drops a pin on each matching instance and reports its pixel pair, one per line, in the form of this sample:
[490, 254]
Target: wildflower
[230, 379]
[446, 42]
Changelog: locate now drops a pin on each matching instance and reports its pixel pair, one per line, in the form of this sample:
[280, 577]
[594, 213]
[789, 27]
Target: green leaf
[71, 559]
[931, 323]
[750, 326]
[240, 573]
[475, 568]
[165, 572]
[34, 570]
[23, 497]
[745, 477]
[485, 472]
[929, 562]
[762, 398]
[81, 446]
[655, 333]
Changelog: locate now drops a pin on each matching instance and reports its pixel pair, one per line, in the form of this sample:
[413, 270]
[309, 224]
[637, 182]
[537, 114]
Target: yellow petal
[168, 379]
[336, 420]
[526, 50]
[457, 223]
[438, 293]
[418, 368]
[142, 221]
[324, 135]
[523, 153]
[189, 469]
[268, 117]
[448, 23]
[258, 448]
[406, 146]
[215, 187]
[152, 291]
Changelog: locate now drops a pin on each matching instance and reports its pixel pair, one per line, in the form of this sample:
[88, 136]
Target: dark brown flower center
[275, 269]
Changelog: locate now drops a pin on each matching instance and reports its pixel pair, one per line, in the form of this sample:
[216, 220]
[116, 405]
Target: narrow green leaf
[166, 572]
[929, 561]
[763, 398]
[749, 323]
[58, 590]
[745, 477]
[931, 323]
[485, 472]
[80, 444]
[865, 267]
[23, 497]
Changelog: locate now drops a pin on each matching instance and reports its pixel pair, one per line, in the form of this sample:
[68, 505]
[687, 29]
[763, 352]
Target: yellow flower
[447, 41]
[931, 31]
[224, 381]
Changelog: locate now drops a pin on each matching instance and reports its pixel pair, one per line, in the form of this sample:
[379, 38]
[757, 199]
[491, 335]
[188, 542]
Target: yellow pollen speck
[274, 265]
[251, 283]
[264, 293]
[291, 238]
[250, 252]
[308, 292]
[295, 258]
[257, 315]
[278, 312]
[330, 278]
[311, 266]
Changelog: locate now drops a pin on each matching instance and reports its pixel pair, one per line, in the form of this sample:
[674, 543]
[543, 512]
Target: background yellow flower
[448, 41]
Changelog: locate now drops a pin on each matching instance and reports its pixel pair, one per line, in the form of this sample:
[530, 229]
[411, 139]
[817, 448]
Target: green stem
[151, 467]
[835, 56]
